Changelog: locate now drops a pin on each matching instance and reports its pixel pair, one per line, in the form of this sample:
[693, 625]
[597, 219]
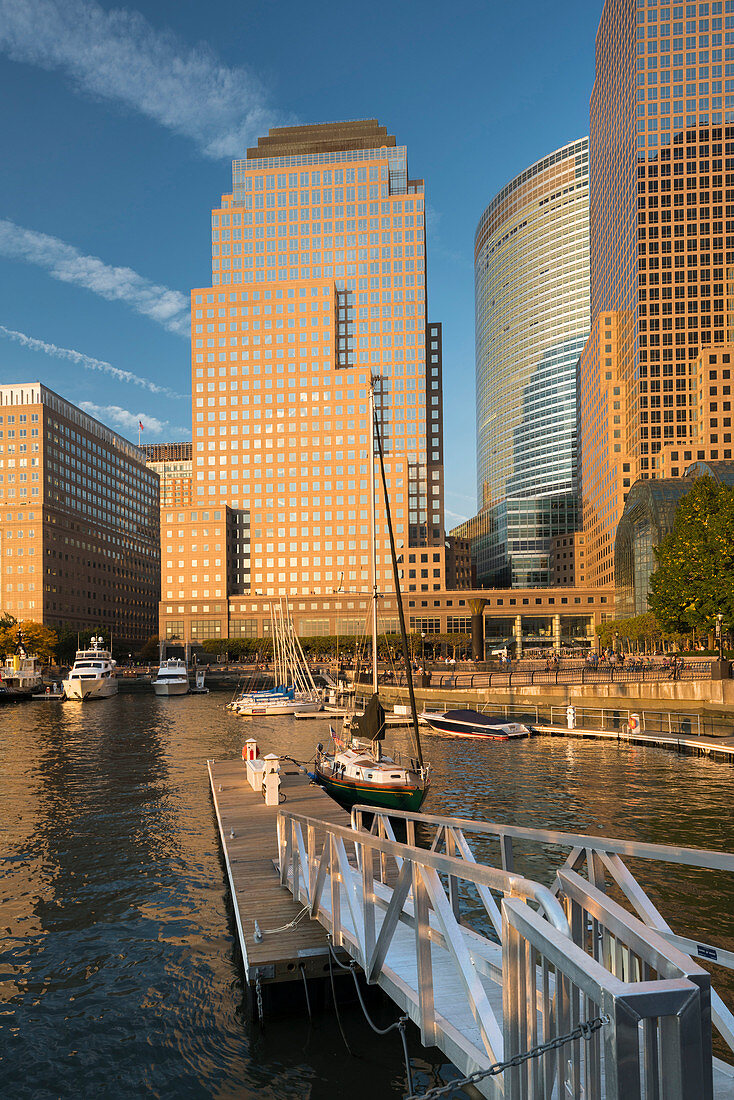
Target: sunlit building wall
[662, 239]
[318, 282]
[172, 463]
[532, 319]
[79, 535]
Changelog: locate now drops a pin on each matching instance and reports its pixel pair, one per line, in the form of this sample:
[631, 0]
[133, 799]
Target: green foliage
[70, 640]
[643, 628]
[149, 651]
[239, 649]
[694, 578]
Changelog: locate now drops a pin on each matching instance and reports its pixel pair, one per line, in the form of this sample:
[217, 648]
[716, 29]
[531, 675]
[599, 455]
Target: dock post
[271, 780]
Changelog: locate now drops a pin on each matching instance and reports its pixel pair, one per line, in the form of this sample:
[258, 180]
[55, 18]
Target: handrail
[492, 877]
[581, 957]
[694, 857]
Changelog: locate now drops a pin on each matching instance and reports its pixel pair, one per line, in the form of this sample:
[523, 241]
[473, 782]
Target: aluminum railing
[397, 910]
[601, 859]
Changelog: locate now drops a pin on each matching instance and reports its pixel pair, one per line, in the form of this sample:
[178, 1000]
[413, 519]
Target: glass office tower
[531, 260]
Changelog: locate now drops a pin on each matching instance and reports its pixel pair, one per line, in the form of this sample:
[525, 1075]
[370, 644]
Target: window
[243, 628]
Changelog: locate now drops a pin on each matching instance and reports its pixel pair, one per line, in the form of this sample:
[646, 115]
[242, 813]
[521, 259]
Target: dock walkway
[719, 747]
[248, 832]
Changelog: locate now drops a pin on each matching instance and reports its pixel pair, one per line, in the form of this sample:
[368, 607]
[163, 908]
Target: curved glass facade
[531, 265]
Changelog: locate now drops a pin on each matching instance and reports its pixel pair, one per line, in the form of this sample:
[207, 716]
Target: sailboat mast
[399, 601]
[373, 531]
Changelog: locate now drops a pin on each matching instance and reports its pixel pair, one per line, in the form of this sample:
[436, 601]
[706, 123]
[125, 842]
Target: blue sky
[117, 132]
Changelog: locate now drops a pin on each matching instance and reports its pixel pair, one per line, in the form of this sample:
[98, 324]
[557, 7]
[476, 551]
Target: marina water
[118, 970]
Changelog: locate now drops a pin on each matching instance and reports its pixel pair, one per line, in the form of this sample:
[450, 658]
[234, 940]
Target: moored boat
[172, 678]
[92, 675]
[21, 674]
[356, 771]
[471, 723]
[296, 691]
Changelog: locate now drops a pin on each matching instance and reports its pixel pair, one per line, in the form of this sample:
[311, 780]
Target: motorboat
[172, 678]
[471, 723]
[355, 770]
[93, 673]
[21, 675]
[287, 703]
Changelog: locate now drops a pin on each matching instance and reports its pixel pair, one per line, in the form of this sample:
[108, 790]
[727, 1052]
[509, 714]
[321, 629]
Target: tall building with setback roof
[318, 283]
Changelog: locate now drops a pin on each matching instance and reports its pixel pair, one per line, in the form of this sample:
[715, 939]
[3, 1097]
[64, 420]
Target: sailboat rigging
[356, 771]
[294, 691]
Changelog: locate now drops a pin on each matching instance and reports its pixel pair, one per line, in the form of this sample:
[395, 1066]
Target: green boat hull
[349, 794]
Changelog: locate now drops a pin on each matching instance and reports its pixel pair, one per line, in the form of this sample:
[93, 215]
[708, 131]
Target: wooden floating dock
[247, 828]
[719, 748]
[391, 720]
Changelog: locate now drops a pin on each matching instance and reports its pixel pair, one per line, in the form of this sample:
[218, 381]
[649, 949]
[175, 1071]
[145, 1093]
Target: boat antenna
[396, 580]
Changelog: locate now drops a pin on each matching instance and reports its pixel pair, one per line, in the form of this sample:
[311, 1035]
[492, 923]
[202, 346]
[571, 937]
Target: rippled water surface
[118, 971]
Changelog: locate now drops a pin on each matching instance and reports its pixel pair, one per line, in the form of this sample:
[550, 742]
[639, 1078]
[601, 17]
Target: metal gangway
[550, 958]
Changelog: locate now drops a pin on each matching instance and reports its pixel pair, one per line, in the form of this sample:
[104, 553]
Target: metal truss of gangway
[553, 956]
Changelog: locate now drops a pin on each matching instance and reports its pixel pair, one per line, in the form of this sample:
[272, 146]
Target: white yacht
[93, 674]
[172, 679]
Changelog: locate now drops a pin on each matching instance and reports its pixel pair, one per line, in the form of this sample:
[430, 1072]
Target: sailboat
[295, 691]
[355, 770]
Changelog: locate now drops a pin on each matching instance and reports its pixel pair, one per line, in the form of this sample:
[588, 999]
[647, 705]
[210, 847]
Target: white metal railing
[396, 908]
[601, 859]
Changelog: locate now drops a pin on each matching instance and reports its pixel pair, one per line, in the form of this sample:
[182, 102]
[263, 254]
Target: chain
[582, 1031]
[258, 991]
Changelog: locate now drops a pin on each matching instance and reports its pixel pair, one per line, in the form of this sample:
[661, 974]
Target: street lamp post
[720, 635]
[616, 641]
[423, 641]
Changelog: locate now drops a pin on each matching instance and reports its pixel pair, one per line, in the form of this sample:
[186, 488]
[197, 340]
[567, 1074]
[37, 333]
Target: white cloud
[86, 361]
[169, 308]
[128, 421]
[455, 517]
[118, 55]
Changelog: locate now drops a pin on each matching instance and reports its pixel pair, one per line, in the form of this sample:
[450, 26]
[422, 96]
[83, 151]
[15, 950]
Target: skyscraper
[531, 262]
[318, 282]
[662, 238]
[79, 537]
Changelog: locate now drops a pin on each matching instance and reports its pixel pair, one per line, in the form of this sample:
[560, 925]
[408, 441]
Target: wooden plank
[247, 828]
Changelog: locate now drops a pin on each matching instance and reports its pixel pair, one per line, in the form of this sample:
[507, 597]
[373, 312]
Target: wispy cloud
[128, 421]
[455, 517]
[118, 55]
[86, 361]
[170, 308]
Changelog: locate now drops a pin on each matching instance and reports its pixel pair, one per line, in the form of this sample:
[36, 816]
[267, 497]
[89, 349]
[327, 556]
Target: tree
[37, 638]
[694, 577]
[149, 651]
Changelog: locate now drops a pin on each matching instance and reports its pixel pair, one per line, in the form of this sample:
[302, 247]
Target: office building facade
[662, 239]
[79, 514]
[531, 257]
[172, 463]
[318, 283]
